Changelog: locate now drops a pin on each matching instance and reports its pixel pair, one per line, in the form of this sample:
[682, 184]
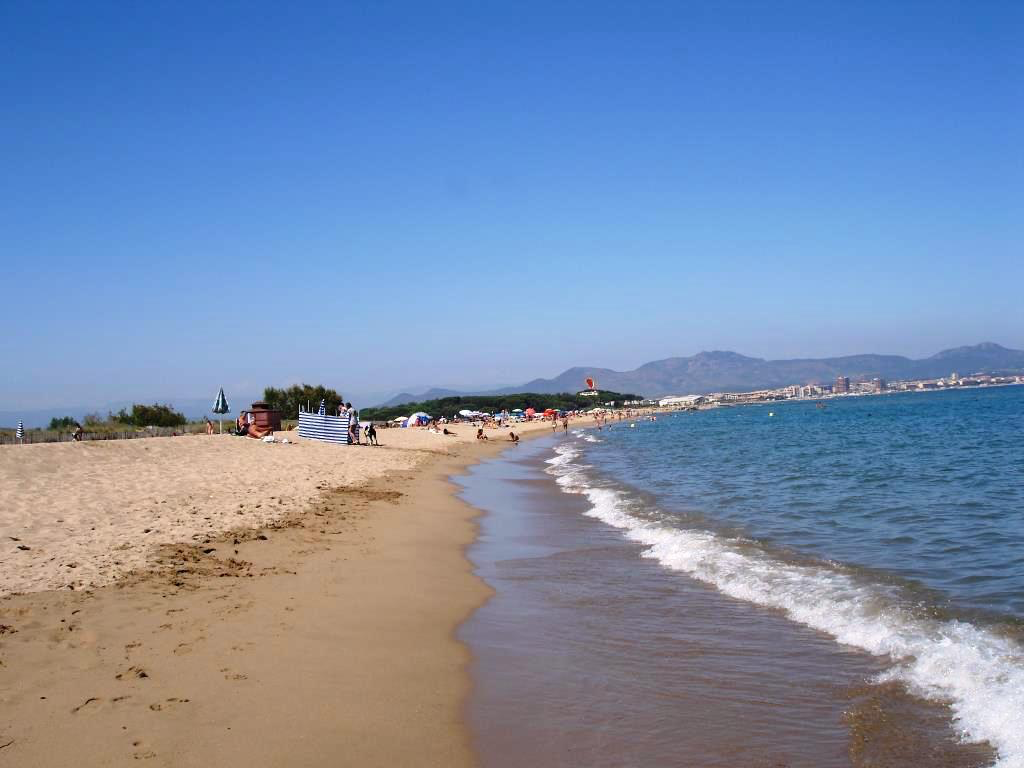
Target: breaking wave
[978, 672]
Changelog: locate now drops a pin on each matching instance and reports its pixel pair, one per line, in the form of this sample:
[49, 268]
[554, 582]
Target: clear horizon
[393, 198]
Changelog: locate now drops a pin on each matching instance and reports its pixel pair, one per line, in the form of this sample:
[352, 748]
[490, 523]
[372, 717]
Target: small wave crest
[976, 671]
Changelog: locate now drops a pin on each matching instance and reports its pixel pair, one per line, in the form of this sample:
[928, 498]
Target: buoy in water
[771, 413]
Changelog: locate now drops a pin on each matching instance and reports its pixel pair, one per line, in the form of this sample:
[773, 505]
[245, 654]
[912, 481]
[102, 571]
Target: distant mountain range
[699, 374]
[732, 372]
[434, 393]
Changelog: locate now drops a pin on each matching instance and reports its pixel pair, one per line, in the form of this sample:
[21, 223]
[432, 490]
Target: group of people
[565, 424]
[245, 426]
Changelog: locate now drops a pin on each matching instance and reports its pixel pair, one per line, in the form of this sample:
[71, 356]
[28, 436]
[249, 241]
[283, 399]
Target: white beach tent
[417, 418]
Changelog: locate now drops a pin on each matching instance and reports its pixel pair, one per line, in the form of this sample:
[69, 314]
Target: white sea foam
[978, 672]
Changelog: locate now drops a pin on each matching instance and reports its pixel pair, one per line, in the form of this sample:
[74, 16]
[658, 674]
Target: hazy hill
[434, 393]
[729, 371]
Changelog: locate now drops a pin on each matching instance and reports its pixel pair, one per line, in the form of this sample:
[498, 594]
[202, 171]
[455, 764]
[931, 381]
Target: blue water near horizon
[894, 524]
[923, 486]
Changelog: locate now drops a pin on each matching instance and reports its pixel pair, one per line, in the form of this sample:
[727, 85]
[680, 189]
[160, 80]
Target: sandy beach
[221, 601]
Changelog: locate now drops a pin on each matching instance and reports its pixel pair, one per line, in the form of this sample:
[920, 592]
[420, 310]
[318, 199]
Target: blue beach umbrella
[20, 432]
[221, 407]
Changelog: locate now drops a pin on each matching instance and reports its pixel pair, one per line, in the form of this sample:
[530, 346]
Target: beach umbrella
[220, 407]
[20, 432]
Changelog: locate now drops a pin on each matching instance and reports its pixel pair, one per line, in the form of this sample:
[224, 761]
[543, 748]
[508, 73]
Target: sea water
[892, 525]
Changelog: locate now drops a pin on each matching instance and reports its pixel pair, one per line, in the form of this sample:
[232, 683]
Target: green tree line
[155, 415]
[449, 407]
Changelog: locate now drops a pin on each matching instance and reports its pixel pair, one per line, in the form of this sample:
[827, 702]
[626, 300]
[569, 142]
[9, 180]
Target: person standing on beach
[565, 425]
[353, 423]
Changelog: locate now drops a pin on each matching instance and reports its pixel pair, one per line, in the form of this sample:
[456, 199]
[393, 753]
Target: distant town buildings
[842, 386]
[681, 401]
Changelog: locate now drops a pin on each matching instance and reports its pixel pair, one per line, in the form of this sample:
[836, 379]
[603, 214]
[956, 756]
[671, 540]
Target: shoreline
[561, 572]
[328, 636]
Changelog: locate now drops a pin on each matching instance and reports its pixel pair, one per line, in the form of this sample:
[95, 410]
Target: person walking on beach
[565, 425]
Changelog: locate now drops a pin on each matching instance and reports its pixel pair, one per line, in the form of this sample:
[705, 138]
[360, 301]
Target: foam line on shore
[977, 672]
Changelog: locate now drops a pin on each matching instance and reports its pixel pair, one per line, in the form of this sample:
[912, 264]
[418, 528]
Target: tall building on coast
[842, 385]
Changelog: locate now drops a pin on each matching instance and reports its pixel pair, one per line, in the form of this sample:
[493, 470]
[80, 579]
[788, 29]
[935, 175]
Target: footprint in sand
[89, 705]
[136, 672]
[141, 752]
[170, 703]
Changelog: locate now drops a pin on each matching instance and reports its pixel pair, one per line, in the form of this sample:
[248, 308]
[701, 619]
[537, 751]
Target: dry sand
[84, 514]
[312, 625]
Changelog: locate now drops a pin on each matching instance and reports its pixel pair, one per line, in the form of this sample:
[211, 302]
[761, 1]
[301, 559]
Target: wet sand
[590, 655]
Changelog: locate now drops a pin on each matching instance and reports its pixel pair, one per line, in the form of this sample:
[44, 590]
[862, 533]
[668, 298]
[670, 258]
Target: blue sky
[477, 194]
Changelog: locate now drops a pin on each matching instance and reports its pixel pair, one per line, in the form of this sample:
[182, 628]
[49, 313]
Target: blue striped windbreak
[317, 426]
